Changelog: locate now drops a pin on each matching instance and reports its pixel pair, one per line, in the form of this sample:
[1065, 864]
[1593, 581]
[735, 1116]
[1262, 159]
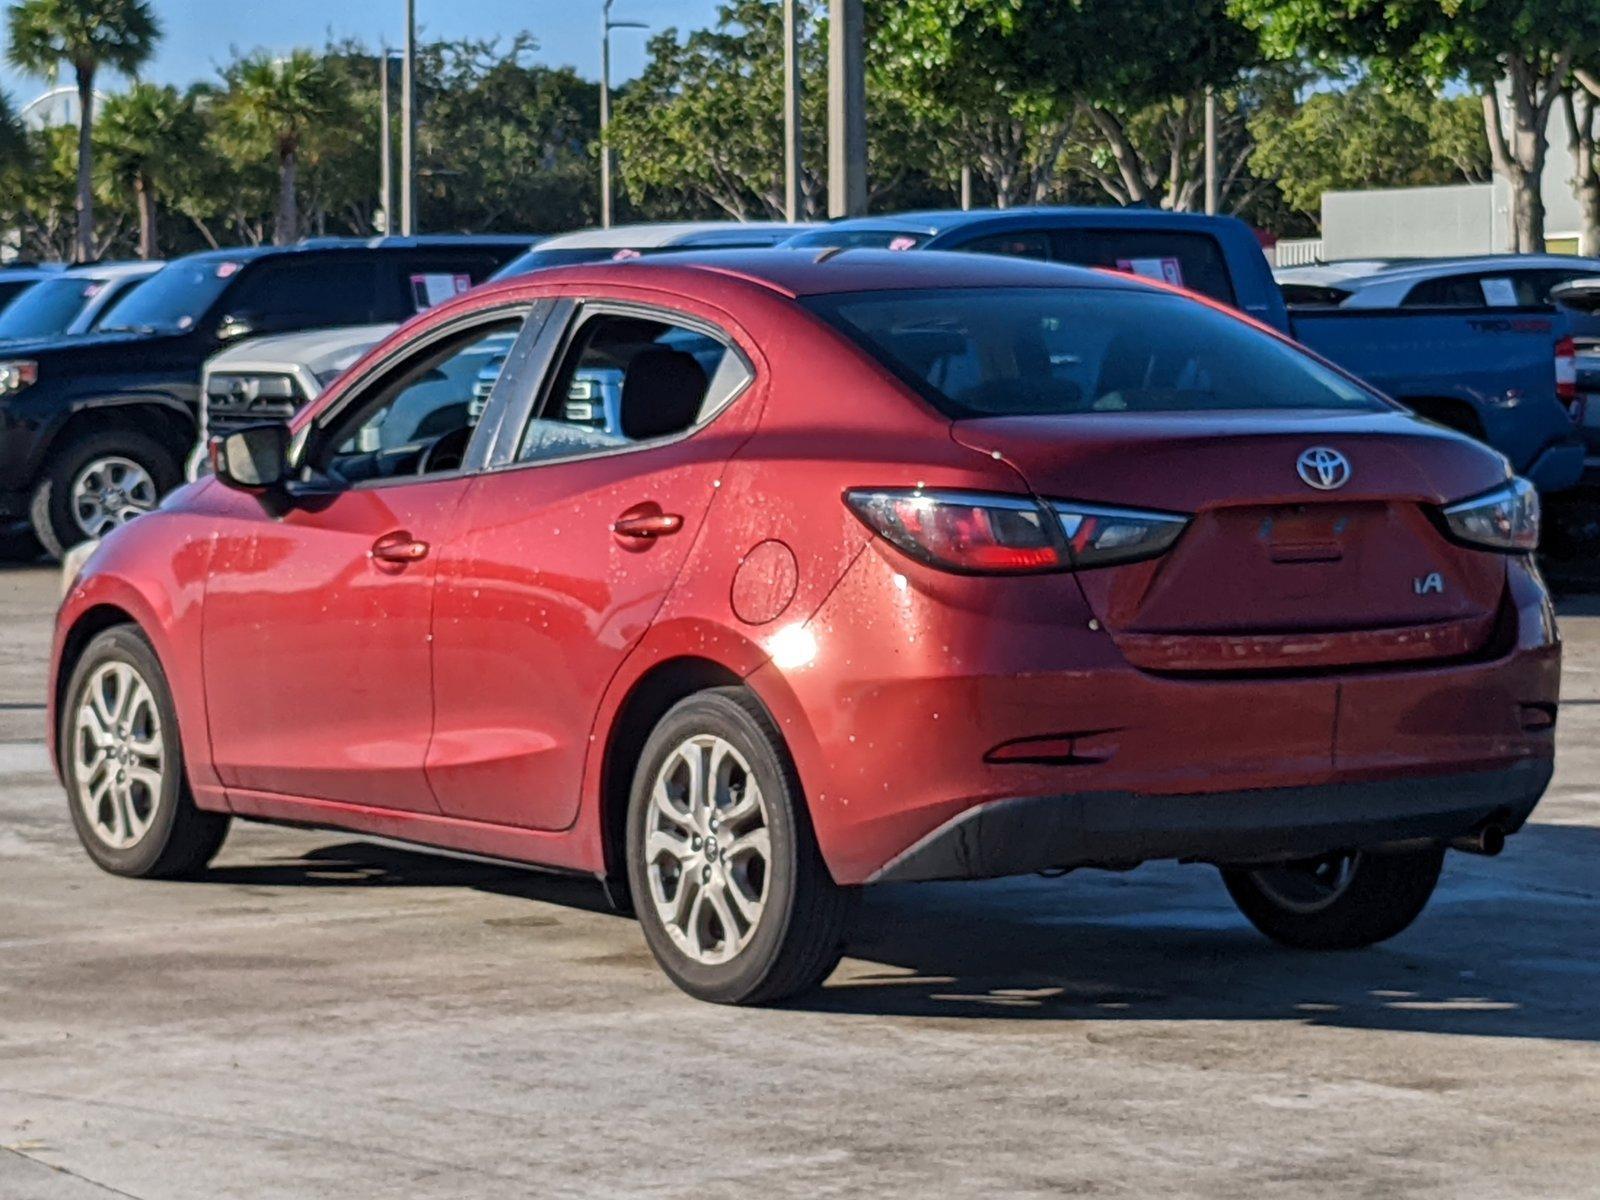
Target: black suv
[94, 429]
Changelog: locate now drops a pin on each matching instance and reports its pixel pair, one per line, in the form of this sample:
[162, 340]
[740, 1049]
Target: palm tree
[146, 137]
[277, 105]
[87, 35]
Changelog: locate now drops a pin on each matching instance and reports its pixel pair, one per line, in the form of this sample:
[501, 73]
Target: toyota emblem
[1323, 469]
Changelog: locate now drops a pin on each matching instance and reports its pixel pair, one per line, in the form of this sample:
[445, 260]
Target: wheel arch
[75, 638]
[163, 417]
[1453, 412]
[646, 701]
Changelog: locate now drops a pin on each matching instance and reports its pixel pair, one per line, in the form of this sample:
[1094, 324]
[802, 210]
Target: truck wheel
[98, 482]
[122, 763]
[1339, 902]
[736, 903]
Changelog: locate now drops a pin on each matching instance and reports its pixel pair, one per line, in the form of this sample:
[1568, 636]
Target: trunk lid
[1272, 574]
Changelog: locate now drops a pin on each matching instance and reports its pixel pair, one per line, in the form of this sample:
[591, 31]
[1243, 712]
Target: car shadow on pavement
[378, 865]
[1508, 948]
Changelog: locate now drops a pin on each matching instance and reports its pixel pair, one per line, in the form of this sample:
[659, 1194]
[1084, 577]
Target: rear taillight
[1504, 519]
[982, 534]
[1567, 373]
[1101, 537]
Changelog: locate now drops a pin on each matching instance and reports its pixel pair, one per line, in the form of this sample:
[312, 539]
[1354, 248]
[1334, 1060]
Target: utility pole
[791, 111]
[606, 26]
[385, 143]
[408, 127]
[847, 110]
[966, 187]
[1211, 152]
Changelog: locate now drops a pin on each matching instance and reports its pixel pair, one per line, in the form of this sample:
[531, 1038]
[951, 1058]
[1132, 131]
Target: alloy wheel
[708, 849]
[1310, 885]
[118, 758]
[109, 492]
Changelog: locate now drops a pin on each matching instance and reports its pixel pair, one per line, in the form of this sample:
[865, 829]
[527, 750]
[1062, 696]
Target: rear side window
[1488, 289]
[414, 283]
[626, 379]
[1037, 351]
[860, 239]
[1189, 260]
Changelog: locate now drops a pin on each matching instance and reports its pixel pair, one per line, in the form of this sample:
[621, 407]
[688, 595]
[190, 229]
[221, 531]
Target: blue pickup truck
[1490, 372]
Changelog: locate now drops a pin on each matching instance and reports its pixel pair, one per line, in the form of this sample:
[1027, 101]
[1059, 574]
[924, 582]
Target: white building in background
[58, 106]
[1437, 222]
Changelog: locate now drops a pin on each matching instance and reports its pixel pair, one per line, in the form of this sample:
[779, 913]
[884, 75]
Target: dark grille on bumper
[233, 401]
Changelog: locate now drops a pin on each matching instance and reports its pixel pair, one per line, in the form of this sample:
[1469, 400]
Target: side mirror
[253, 459]
[236, 326]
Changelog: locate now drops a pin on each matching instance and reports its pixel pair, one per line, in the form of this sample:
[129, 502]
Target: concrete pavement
[320, 1017]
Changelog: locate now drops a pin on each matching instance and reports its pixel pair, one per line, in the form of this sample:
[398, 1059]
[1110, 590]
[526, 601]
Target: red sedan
[742, 581]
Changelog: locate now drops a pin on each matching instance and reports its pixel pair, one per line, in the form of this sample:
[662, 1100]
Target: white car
[1485, 280]
[66, 303]
[270, 378]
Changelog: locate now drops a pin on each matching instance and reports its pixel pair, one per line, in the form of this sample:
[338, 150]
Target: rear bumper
[930, 697]
[1110, 829]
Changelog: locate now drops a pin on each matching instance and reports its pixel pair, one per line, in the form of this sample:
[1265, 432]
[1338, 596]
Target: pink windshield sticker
[227, 269]
[903, 243]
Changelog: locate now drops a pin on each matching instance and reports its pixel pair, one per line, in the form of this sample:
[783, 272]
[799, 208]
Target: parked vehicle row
[95, 428]
[887, 567]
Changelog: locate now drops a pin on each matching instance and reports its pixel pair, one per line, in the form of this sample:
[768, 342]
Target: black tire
[1376, 897]
[798, 937]
[51, 509]
[180, 839]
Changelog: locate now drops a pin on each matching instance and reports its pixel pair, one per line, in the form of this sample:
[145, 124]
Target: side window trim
[565, 335]
[520, 388]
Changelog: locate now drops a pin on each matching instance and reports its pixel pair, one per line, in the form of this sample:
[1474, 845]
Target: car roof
[652, 235]
[308, 347]
[118, 270]
[932, 222]
[319, 246]
[809, 272]
[1418, 270]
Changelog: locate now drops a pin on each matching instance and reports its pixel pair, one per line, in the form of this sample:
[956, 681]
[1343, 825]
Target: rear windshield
[1027, 351]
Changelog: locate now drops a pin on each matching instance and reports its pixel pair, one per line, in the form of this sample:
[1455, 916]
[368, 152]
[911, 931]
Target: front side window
[419, 418]
[626, 379]
[1046, 351]
[314, 292]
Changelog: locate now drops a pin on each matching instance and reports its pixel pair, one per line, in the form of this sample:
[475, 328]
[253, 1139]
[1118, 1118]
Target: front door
[318, 660]
[572, 542]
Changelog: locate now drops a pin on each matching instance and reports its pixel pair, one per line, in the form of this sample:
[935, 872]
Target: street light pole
[847, 110]
[1211, 152]
[791, 111]
[606, 26]
[408, 127]
[385, 143]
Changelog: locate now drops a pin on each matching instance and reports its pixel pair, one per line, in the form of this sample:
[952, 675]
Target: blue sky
[199, 33]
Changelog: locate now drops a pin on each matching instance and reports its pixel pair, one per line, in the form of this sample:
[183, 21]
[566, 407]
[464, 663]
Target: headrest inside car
[661, 393]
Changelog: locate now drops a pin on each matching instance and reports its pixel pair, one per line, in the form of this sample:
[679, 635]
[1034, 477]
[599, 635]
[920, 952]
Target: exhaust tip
[1488, 841]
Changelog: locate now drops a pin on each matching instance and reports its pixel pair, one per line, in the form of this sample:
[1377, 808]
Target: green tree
[1528, 47]
[146, 138]
[275, 106]
[88, 35]
[1124, 80]
[1368, 135]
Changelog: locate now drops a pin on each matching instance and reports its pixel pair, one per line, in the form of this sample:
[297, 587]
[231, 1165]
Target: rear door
[572, 540]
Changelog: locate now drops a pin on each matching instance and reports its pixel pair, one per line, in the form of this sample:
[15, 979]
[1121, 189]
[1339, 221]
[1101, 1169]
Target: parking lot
[319, 1016]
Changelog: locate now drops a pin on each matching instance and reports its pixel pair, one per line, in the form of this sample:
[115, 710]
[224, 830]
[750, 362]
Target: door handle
[646, 524]
[398, 548]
